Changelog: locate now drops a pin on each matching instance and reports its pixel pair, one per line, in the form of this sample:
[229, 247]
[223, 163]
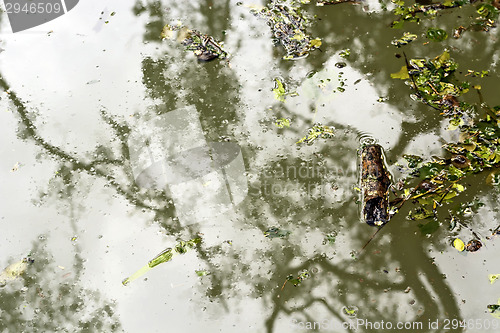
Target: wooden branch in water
[375, 182]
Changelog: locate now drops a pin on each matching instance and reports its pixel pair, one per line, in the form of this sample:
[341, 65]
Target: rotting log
[375, 182]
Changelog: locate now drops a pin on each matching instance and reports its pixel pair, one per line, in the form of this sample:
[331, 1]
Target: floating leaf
[201, 272]
[406, 39]
[279, 91]
[495, 309]
[459, 244]
[402, 74]
[315, 43]
[275, 232]
[350, 311]
[345, 53]
[493, 277]
[166, 255]
[436, 35]
[317, 131]
[282, 122]
[298, 280]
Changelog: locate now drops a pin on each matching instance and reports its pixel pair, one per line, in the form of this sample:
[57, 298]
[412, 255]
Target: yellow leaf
[493, 277]
[315, 42]
[459, 244]
[459, 187]
[470, 146]
[478, 87]
[402, 74]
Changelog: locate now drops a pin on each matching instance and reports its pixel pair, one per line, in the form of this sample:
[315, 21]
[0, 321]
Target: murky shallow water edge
[88, 237]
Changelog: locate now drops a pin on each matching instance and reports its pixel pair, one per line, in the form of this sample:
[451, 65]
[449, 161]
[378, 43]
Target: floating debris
[350, 311]
[457, 33]
[280, 91]
[296, 281]
[345, 53]
[433, 81]
[375, 182]
[493, 277]
[330, 238]
[282, 123]
[478, 148]
[459, 244]
[202, 273]
[436, 35]
[14, 271]
[317, 131]
[276, 232]
[15, 167]
[205, 47]
[405, 40]
[494, 309]
[288, 24]
[473, 245]
[180, 248]
[411, 13]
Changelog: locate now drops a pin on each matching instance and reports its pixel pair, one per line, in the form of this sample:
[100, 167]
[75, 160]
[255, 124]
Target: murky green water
[98, 94]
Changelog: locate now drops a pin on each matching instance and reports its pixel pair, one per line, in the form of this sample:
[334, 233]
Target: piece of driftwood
[375, 182]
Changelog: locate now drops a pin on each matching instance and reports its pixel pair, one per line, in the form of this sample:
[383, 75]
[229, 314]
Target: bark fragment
[375, 182]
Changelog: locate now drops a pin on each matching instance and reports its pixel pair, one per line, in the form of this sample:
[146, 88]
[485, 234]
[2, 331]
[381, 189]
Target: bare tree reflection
[47, 299]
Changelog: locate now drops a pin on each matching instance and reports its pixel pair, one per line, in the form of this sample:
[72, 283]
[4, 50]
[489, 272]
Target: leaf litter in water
[180, 248]
[282, 123]
[205, 47]
[494, 309]
[275, 232]
[350, 311]
[317, 131]
[288, 25]
[296, 281]
[14, 271]
[280, 91]
[202, 273]
[405, 40]
[477, 149]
